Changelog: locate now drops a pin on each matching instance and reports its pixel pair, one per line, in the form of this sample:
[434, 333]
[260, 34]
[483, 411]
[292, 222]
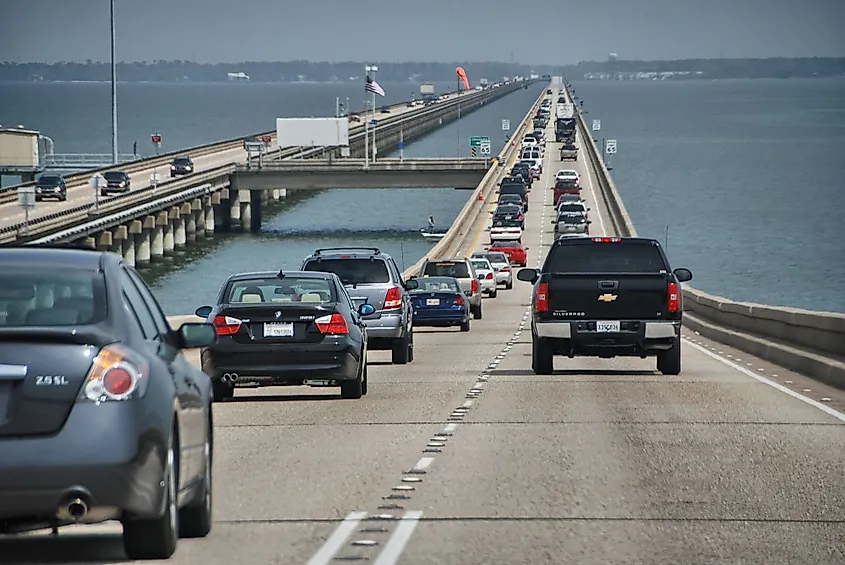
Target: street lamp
[114, 155]
[370, 69]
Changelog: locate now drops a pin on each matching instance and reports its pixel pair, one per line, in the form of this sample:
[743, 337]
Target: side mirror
[589, 221]
[412, 284]
[192, 335]
[683, 275]
[554, 221]
[527, 248]
[366, 309]
[481, 277]
[528, 275]
[203, 311]
[468, 292]
[588, 209]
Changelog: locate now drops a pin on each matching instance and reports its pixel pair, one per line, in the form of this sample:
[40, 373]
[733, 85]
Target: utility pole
[114, 153]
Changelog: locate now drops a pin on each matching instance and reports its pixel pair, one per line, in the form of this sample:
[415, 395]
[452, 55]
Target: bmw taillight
[674, 301]
[117, 373]
[393, 298]
[541, 299]
[226, 325]
[333, 324]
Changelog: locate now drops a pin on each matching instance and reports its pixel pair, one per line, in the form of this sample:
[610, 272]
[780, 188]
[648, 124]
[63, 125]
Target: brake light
[489, 276]
[393, 298]
[674, 304]
[607, 239]
[116, 374]
[459, 300]
[334, 324]
[541, 300]
[505, 269]
[474, 286]
[226, 325]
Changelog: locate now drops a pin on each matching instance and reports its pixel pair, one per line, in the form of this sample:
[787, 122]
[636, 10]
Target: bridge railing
[83, 160]
[810, 342]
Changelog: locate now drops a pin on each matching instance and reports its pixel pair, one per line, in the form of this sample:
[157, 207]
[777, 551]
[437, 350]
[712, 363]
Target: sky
[551, 32]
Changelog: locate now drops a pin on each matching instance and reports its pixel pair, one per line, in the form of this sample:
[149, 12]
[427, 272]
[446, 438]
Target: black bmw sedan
[286, 329]
[101, 416]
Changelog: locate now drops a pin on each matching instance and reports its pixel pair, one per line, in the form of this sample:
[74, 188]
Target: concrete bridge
[465, 456]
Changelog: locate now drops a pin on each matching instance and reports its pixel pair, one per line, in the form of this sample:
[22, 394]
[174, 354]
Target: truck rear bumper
[635, 338]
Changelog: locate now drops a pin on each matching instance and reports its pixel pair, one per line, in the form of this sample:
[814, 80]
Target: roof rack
[375, 250]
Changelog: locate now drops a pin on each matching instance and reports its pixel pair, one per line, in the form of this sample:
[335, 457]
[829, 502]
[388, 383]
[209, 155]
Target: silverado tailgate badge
[607, 297]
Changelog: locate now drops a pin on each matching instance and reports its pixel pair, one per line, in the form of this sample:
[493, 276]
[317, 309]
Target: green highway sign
[477, 140]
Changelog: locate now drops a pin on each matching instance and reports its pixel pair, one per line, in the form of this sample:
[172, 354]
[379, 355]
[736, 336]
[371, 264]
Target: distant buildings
[238, 76]
[637, 75]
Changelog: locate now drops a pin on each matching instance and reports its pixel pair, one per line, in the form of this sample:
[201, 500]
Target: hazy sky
[536, 31]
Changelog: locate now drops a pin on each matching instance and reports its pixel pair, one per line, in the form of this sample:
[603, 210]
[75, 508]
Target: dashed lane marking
[325, 554]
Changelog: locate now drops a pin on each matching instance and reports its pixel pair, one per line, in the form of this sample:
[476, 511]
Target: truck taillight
[393, 298]
[474, 286]
[541, 299]
[674, 303]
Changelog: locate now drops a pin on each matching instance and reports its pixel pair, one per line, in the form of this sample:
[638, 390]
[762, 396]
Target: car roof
[356, 252]
[56, 258]
[448, 260]
[273, 274]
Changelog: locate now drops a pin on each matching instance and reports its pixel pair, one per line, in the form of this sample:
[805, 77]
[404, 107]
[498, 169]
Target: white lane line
[325, 554]
[593, 194]
[401, 535]
[826, 409]
[467, 404]
[450, 428]
[423, 464]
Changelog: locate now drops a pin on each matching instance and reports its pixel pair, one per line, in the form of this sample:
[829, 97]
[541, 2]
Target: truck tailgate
[621, 296]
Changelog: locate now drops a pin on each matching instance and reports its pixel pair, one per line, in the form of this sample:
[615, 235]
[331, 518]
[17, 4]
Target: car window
[481, 265]
[46, 297]
[437, 284]
[288, 289]
[155, 308]
[138, 308]
[352, 271]
[604, 258]
[459, 270]
[497, 257]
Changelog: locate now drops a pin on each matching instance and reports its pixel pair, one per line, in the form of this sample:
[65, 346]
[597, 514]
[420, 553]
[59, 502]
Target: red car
[514, 250]
[566, 187]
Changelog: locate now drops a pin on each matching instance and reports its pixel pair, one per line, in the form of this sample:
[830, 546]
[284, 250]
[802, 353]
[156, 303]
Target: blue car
[439, 301]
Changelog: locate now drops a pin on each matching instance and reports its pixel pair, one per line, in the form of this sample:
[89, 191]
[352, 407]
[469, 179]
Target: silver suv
[462, 270]
[372, 277]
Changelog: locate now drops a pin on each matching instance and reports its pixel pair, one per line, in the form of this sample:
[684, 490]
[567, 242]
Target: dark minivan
[116, 181]
[183, 165]
[50, 186]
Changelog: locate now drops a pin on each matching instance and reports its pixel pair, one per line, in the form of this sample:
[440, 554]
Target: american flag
[373, 86]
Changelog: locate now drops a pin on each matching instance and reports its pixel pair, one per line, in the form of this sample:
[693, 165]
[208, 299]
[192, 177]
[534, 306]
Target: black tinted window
[114, 176]
[352, 271]
[48, 181]
[447, 269]
[50, 298]
[620, 257]
[288, 289]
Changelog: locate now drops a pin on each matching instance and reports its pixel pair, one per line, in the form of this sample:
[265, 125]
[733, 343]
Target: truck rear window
[447, 269]
[593, 257]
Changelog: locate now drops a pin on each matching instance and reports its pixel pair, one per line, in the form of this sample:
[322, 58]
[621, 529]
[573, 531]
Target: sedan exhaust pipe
[229, 377]
[74, 511]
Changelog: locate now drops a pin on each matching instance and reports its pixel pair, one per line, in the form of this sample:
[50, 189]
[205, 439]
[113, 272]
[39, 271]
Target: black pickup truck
[606, 297]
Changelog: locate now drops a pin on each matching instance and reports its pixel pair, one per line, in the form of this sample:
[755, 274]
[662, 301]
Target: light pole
[373, 69]
[114, 155]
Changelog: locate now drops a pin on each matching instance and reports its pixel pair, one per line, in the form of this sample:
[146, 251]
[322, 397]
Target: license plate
[432, 302]
[509, 217]
[607, 326]
[278, 329]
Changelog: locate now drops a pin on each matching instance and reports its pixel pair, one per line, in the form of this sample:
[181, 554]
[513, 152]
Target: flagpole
[459, 115]
[374, 115]
[366, 127]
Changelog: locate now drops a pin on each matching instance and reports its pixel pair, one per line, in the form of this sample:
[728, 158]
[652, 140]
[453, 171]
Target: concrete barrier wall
[810, 342]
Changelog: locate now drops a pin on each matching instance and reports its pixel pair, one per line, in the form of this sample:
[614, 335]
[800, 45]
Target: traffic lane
[82, 194]
[279, 543]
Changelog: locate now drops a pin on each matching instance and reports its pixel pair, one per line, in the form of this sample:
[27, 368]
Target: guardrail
[197, 151]
[43, 225]
[798, 339]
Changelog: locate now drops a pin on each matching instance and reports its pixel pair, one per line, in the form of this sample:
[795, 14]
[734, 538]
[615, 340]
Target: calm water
[747, 175]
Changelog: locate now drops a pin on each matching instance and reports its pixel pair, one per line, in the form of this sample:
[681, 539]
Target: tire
[495, 293]
[542, 357]
[400, 352]
[156, 538]
[352, 390]
[222, 391]
[465, 326]
[195, 519]
[509, 286]
[669, 362]
[476, 314]
[364, 380]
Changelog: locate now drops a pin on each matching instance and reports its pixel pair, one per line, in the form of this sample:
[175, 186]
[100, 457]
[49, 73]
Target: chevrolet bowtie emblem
[607, 297]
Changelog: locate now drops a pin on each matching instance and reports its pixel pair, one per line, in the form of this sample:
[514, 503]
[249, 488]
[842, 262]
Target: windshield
[352, 271]
[459, 270]
[591, 257]
[51, 298]
[571, 219]
[114, 175]
[571, 207]
[48, 181]
[287, 289]
[181, 161]
[436, 284]
[567, 174]
[480, 265]
[496, 258]
[508, 209]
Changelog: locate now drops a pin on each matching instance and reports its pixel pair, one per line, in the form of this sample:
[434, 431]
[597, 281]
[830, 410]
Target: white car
[486, 276]
[502, 233]
[502, 265]
[572, 207]
[568, 174]
[529, 141]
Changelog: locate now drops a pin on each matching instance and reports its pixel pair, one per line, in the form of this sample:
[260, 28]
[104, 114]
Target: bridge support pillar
[194, 220]
[256, 196]
[222, 210]
[179, 232]
[283, 193]
[276, 194]
[157, 243]
[105, 241]
[234, 208]
[89, 242]
[124, 244]
[210, 221]
[140, 237]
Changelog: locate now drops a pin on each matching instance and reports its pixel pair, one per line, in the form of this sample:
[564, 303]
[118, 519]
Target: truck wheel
[669, 362]
[542, 359]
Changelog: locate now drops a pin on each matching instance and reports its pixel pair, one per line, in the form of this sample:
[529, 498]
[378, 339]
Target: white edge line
[326, 553]
[826, 409]
[399, 539]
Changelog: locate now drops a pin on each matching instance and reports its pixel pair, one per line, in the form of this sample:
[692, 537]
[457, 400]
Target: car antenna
[281, 274]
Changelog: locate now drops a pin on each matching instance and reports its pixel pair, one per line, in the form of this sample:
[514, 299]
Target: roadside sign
[97, 182]
[156, 138]
[506, 125]
[26, 197]
[265, 139]
[475, 141]
[596, 125]
[610, 146]
[485, 148]
[474, 151]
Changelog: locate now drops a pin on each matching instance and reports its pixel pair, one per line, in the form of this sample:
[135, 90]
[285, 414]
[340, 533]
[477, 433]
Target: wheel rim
[171, 489]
